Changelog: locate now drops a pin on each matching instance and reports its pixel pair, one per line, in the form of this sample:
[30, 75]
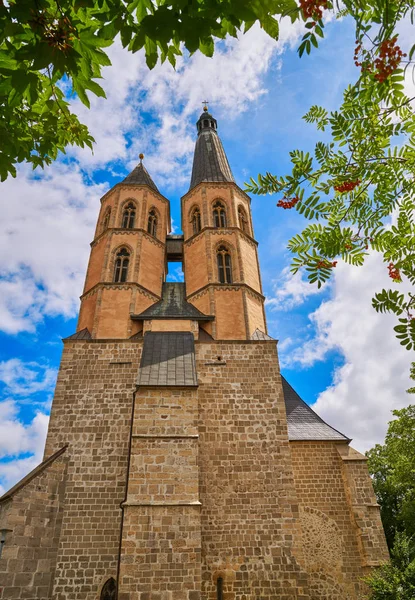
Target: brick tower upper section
[126, 293]
[220, 253]
[127, 265]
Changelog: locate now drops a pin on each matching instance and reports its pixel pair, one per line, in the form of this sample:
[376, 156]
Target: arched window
[243, 221]
[196, 221]
[128, 216]
[109, 590]
[152, 223]
[219, 588]
[219, 214]
[106, 219]
[224, 265]
[122, 261]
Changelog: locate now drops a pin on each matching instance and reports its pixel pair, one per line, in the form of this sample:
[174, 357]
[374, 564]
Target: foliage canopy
[358, 187]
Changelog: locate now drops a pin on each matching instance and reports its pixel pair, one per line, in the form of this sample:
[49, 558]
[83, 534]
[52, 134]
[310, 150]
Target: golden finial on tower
[141, 156]
[205, 103]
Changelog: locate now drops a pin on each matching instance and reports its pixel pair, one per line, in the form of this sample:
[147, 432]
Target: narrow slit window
[106, 220]
[122, 262]
[224, 265]
[219, 215]
[243, 221]
[128, 216]
[152, 223]
[196, 221]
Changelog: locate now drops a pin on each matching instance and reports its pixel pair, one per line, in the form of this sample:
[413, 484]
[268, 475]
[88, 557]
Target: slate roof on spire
[210, 162]
[140, 176]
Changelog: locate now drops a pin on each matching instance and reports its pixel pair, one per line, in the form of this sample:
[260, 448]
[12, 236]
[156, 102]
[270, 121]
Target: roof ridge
[33, 473]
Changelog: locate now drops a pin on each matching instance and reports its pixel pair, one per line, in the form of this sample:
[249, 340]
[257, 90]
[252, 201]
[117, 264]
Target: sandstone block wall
[332, 535]
[33, 516]
[251, 536]
[92, 414]
[161, 540]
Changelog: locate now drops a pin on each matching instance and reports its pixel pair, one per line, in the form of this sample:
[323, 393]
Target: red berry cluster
[323, 264]
[313, 9]
[347, 186]
[288, 202]
[394, 272]
[390, 55]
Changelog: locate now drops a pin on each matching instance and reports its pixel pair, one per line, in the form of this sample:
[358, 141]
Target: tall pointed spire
[209, 162]
[140, 176]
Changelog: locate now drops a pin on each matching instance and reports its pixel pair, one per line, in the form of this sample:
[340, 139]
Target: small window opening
[152, 223]
[121, 266]
[219, 214]
[243, 221]
[109, 590]
[3, 534]
[196, 221]
[224, 265]
[219, 588]
[128, 218]
[206, 123]
[106, 220]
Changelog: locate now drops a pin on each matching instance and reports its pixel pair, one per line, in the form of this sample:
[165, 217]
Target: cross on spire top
[205, 105]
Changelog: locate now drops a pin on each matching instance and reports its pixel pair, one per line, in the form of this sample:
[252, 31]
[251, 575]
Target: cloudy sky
[335, 350]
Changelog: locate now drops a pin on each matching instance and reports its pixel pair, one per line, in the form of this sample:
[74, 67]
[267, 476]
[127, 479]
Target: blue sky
[334, 349]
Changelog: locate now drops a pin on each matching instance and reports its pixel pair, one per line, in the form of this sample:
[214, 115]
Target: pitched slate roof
[140, 176]
[80, 335]
[173, 305]
[210, 162]
[36, 471]
[168, 359]
[259, 335]
[303, 422]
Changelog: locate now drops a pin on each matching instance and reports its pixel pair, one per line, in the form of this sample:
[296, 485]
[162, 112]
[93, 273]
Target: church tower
[179, 463]
[219, 239]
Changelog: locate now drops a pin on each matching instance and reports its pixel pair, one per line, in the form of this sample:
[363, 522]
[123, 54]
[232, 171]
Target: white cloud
[232, 80]
[373, 380]
[21, 441]
[291, 290]
[24, 379]
[47, 223]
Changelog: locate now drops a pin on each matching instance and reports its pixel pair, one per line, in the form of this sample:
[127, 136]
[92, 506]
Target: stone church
[179, 463]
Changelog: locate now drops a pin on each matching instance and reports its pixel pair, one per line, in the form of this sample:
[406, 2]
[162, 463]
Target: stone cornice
[221, 231]
[214, 185]
[135, 186]
[128, 231]
[128, 285]
[226, 287]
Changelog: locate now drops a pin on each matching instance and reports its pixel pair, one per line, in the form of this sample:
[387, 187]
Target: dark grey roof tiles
[173, 305]
[140, 176]
[80, 335]
[261, 336]
[168, 359]
[303, 422]
[210, 162]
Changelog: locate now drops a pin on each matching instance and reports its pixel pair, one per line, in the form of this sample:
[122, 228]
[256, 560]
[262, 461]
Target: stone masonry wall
[33, 516]
[251, 536]
[161, 543]
[331, 536]
[92, 414]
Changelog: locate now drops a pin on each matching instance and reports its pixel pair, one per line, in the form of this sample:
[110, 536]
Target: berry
[394, 272]
[288, 202]
[313, 9]
[347, 186]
